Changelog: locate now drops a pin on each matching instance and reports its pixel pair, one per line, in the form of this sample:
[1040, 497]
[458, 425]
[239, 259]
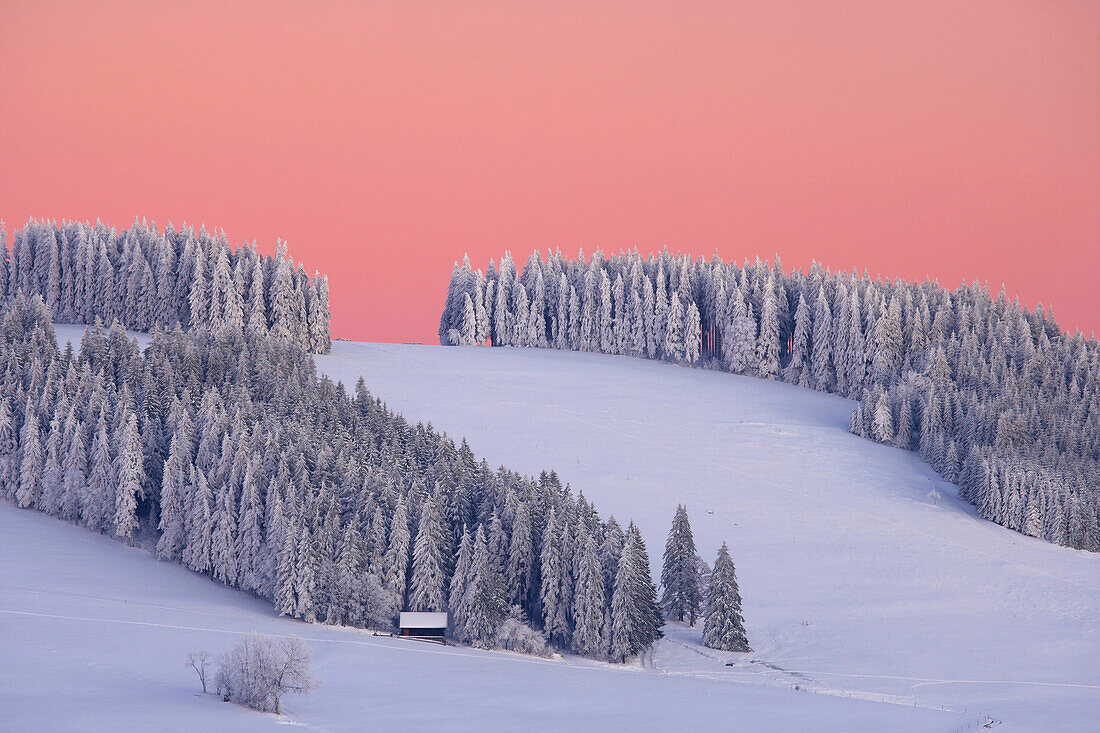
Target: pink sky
[957, 140]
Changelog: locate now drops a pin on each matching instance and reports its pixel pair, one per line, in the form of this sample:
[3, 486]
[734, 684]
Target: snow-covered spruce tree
[320, 341]
[739, 342]
[605, 324]
[483, 604]
[9, 448]
[75, 475]
[52, 482]
[611, 551]
[519, 572]
[130, 475]
[555, 596]
[536, 317]
[693, 334]
[590, 603]
[821, 360]
[396, 562]
[723, 625]
[31, 460]
[680, 582]
[800, 349]
[674, 329]
[457, 589]
[427, 584]
[97, 506]
[768, 341]
[200, 522]
[223, 539]
[636, 618]
[250, 541]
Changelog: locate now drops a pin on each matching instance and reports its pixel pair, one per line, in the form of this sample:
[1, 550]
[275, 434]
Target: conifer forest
[996, 398]
[220, 444]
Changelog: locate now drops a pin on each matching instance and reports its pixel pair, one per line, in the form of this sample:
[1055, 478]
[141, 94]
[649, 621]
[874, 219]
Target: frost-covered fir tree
[674, 329]
[223, 539]
[693, 334]
[519, 572]
[883, 426]
[52, 481]
[97, 506]
[75, 475]
[457, 589]
[466, 333]
[556, 593]
[739, 339]
[636, 618]
[397, 554]
[605, 322]
[589, 605]
[575, 319]
[768, 340]
[32, 457]
[821, 359]
[286, 601]
[319, 331]
[426, 588]
[723, 625]
[483, 605]
[130, 475]
[281, 299]
[173, 517]
[561, 329]
[250, 539]
[589, 325]
[200, 523]
[800, 346]
[9, 446]
[680, 581]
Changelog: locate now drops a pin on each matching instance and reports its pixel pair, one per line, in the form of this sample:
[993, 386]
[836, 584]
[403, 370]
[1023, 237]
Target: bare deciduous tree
[200, 662]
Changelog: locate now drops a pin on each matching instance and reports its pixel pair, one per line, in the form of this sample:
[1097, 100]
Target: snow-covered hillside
[857, 581]
[855, 578]
[93, 637]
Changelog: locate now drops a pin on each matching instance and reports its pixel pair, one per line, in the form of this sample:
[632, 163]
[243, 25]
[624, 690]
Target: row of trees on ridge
[148, 279]
[995, 397]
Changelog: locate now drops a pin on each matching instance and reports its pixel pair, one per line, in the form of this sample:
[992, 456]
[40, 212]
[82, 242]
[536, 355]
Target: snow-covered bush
[516, 636]
[259, 670]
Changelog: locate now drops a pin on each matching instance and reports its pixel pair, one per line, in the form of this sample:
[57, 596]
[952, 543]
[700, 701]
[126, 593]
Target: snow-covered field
[856, 584]
[93, 637]
[855, 581]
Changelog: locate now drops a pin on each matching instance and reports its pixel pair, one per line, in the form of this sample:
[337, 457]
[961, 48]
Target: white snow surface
[854, 581]
[93, 637]
[855, 584]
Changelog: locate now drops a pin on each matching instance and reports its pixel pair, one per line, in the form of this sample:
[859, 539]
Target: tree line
[146, 279]
[226, 452]
[995, 397]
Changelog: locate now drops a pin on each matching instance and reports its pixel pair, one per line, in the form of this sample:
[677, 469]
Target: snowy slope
[93, 637]
[855, 581]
